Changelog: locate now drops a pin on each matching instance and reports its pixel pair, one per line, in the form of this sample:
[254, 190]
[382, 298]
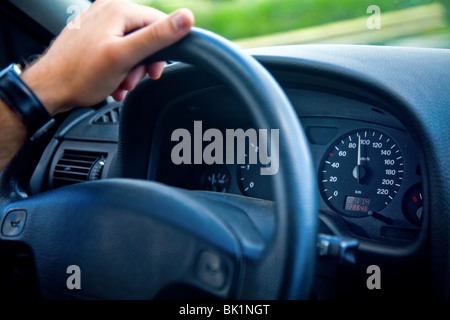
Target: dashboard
[377, 137]
[367, 164]
[377, 197]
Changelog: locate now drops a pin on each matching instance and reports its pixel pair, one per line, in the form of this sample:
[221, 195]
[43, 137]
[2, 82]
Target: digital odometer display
[357, 204]
[362, 171]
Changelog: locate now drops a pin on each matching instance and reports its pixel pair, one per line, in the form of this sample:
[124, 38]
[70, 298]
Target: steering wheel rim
[248, 79]
[292, 252]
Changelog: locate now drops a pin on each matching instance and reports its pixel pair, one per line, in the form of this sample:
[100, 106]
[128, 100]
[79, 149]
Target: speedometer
[361, 172]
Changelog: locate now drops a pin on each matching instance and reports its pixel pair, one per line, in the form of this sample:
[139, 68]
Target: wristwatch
[19, 97]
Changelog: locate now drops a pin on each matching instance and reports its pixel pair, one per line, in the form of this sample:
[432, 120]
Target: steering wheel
[136, 239]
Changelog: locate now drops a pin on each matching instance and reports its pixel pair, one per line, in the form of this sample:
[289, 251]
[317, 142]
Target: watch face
[12, 67]
[16, 68]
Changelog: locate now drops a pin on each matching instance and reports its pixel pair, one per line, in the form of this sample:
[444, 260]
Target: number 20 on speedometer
[361, 171]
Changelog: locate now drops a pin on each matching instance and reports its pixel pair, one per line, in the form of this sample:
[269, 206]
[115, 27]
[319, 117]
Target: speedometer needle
[358, 171]
[358, 161]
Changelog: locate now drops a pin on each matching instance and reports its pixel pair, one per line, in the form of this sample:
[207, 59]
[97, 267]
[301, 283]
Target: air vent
[78, 166]
[108, 117]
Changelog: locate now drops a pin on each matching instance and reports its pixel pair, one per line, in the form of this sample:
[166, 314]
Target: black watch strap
[19, 97]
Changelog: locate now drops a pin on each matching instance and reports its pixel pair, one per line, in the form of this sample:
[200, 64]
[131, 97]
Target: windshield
[256, 23]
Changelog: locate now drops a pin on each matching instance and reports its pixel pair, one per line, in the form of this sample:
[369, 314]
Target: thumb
[158, 35]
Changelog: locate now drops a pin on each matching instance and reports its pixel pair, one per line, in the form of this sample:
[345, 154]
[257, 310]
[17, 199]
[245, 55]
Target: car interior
[363, 178]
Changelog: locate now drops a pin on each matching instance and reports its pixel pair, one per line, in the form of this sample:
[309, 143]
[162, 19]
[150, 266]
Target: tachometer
[251, 182]
[362, 171]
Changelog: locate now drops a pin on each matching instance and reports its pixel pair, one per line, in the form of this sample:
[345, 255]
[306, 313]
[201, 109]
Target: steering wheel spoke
[120, 233]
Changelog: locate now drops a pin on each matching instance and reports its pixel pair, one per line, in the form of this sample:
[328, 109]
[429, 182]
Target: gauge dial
[215, 178]
[412, 204]
[362, 171]
[250, 180]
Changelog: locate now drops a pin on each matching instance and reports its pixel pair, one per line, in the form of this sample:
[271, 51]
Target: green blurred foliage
[236, 19]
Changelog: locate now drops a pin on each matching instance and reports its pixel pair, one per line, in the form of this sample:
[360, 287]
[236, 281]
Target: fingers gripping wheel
[119, 233]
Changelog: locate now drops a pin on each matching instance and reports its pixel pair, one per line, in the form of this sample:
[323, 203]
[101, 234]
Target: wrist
[23, 102]
[41, 86]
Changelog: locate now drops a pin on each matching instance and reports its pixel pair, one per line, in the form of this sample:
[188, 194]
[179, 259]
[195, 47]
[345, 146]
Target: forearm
[12, 134]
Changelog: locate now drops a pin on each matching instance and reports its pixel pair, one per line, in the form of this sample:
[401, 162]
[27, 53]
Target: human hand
[83, 66]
